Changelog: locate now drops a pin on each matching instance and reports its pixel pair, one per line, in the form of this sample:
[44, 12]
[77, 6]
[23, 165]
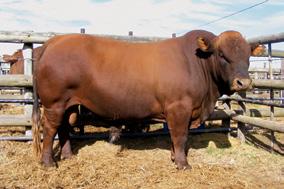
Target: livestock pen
[141, 163]
[25, 81]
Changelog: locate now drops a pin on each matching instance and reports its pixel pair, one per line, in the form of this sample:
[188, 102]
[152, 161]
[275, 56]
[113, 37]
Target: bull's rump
[113, 79]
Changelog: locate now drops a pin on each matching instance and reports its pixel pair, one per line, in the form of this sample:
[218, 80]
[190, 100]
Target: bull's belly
[117, 107]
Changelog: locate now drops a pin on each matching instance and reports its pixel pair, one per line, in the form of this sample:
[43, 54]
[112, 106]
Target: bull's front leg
[178, 117]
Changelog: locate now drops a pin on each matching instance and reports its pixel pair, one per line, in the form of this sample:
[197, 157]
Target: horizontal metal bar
[20, 120]
[274, 38]
[33, 37]
[265, 99]
[263, 112]
[126, 135]
[239, 99]
[23, 101]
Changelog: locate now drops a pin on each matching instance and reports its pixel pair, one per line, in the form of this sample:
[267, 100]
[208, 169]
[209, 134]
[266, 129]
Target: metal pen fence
[242, 116]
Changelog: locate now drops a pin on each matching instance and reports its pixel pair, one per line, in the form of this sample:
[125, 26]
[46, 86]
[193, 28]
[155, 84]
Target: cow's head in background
[16, 62]
[231, 59]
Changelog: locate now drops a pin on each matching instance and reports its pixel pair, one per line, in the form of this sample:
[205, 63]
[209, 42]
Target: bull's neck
[211, 74]
[217, 77]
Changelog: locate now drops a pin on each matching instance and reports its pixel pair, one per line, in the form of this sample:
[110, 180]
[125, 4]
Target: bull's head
[231, 56]
[16, 62]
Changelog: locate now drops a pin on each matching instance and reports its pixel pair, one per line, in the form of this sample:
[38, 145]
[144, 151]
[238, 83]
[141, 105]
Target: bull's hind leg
[178, 119]
[64, 131]
[52, 120]
[64, 140]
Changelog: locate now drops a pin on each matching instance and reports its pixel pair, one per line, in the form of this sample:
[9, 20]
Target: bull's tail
[36, 117]
[36, 123]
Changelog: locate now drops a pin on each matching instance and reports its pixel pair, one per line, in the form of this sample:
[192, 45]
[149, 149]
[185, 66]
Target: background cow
[16, 60]
[178, 80]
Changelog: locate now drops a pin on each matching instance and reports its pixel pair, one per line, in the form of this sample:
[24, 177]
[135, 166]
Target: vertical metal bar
[271, 94]
[28, 67]
[82, 30]
[282, 78]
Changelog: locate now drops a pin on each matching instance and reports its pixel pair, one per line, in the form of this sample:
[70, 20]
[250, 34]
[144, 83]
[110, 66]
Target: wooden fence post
[271, 95]
[28, 67]
[227, 122]
[242, 126]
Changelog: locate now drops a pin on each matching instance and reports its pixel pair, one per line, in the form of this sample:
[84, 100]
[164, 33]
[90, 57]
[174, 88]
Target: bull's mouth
[241, 84]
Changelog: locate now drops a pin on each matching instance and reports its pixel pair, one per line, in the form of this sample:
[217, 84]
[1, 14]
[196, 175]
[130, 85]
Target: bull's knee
[73, 119]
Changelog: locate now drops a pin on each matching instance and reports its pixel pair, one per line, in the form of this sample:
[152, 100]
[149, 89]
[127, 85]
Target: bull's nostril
[240, 83]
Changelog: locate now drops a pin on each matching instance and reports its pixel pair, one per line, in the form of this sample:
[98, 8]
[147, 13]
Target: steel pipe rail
[268, 84]
[240, 99]
[275, 38]
[39, 38]
[22, 101]
[100, 136]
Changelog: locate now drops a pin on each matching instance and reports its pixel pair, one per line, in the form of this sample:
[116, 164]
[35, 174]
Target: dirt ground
[218, 161]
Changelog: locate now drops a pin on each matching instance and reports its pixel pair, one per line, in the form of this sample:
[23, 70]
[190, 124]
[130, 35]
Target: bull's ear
[9, 58]
[257, 49]
[204, 44]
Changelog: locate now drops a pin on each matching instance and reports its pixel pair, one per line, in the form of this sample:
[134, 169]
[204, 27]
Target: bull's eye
[223, 57]
[221, 54]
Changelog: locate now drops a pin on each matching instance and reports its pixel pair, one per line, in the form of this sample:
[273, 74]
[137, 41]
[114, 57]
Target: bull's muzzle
[241, 84]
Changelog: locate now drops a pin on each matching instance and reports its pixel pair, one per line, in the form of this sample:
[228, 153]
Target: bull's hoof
[186, 166]
[66, 155]
[172, 157]
[48, 163]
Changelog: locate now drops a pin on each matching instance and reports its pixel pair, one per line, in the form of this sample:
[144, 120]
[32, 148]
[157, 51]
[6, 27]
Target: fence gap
[28, 93]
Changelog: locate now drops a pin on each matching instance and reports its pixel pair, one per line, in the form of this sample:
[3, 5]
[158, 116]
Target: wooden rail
[15, 120]
[15, 81]
[267, 124]
[268, 84]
